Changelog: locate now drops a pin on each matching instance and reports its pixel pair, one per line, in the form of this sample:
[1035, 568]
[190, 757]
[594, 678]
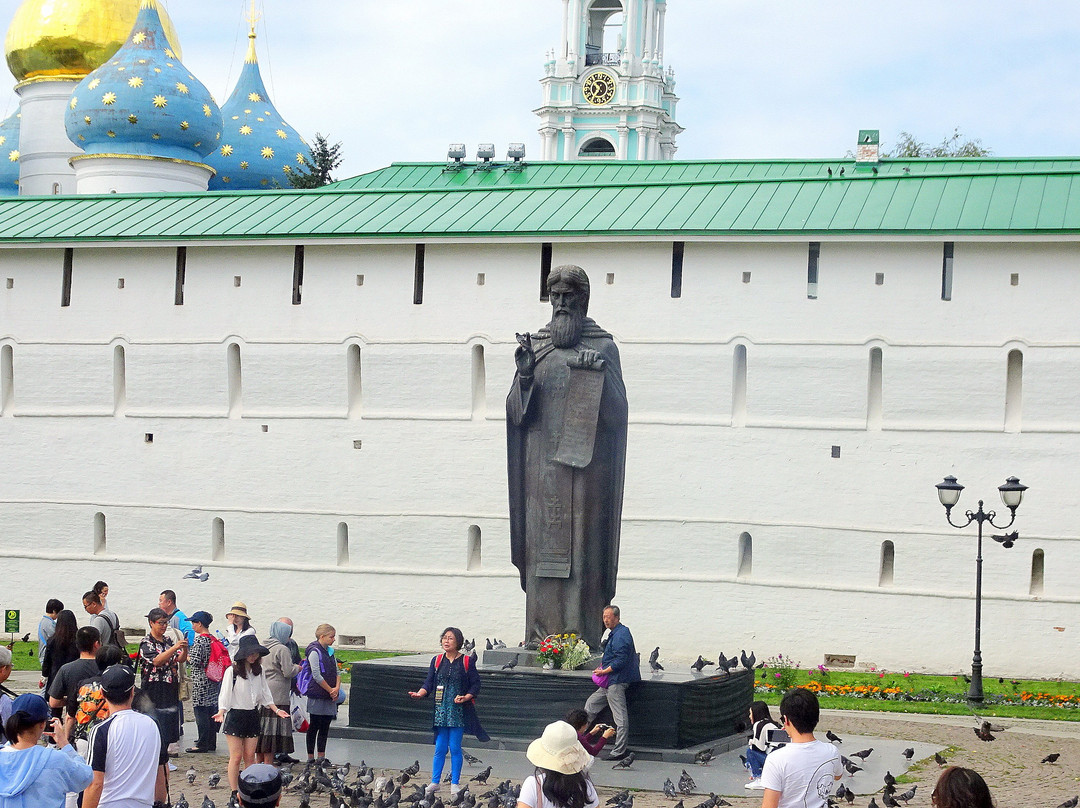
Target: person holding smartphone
[31, 774]
[761, 744]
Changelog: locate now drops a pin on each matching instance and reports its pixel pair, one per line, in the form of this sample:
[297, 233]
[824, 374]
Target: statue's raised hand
[525, 356]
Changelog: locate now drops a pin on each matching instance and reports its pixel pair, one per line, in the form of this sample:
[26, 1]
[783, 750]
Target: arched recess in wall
[99, 533]
[738, 387]
[475, 556]
[873, 390]
[479, 383]
[7, 380]
[236, 388]
[354, 378]
[597, 147]
[1014, 390]
[342, 544]
[746, 555]
[217, 539]
[119, 380]
[888, 557]
[1038, 561]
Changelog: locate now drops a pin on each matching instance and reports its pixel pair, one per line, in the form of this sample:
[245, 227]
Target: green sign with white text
[11, 620]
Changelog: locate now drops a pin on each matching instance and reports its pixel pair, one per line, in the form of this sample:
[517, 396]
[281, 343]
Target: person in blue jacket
[33, 776]
[621, 665]
[453, 678]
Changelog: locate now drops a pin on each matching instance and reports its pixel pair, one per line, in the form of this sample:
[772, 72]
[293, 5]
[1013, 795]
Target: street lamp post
[1012, 492]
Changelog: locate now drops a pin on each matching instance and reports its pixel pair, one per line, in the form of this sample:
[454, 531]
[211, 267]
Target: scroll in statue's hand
[525, 356]
[588, 359]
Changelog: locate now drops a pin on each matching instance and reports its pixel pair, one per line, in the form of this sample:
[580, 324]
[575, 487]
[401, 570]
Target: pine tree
[315, 170]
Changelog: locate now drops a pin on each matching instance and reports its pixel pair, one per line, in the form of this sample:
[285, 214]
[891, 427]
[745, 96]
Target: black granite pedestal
[672, 714]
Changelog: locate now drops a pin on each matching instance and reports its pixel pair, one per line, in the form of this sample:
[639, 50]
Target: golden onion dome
[67, 39]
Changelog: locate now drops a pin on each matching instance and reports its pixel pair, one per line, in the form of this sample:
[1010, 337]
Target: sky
[397, 81]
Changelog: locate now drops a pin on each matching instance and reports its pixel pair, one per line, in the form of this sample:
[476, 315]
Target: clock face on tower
[599, 88]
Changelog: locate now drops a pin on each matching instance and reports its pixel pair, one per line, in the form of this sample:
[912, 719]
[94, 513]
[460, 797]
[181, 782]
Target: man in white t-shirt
[801, 774]
[125, 749]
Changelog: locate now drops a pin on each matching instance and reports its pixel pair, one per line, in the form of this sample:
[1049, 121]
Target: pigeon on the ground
[863, 754]
[182, 802]
[481, 777]
[669, 789]
[686, 783]
[1051, 758]
[191, 775]
[626, 762]
[654, 660]
[1070, 803]
[940, 759]
[909, 753]
[413, 769]
[907, 795]
[852, 768]
[704, 756]
[207, 802]
[472, 760]
[889, 779]
[619, 797]
[214, 780]
[700, 663]
[873, 803]
[983, 734]
[833, 737]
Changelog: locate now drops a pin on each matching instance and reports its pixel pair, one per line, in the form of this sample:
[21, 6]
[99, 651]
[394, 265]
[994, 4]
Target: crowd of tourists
[103, 728]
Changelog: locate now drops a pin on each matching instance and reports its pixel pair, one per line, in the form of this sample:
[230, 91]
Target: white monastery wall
[359, 408]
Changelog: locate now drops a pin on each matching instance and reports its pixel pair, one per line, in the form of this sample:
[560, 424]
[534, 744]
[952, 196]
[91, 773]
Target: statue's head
[568, 291]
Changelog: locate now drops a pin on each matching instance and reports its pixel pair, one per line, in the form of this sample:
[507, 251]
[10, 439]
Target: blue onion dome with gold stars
[257, 149]
[144, 101]
[9, 155]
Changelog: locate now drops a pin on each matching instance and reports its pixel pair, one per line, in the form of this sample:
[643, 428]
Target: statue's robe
[565, 521]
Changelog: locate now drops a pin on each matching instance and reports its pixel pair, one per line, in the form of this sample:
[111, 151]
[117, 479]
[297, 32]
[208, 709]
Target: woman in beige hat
[239, 626]
[560, 780]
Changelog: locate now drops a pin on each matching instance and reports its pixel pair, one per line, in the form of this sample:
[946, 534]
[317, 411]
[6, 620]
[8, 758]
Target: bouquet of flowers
[566, 651]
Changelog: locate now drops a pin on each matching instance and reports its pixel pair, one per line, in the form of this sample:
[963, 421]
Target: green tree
[315, 170]
[954, 145]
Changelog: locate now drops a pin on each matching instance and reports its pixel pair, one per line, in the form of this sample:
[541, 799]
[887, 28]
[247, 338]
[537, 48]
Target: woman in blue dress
[453, 680]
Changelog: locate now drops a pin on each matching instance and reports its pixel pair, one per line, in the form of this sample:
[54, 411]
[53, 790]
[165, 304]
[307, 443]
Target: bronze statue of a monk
[566, 452]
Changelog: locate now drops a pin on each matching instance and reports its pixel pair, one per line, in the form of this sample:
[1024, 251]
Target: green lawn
[921, 693]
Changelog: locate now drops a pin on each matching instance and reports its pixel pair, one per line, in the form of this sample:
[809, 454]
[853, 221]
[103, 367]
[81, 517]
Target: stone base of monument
[672, 714]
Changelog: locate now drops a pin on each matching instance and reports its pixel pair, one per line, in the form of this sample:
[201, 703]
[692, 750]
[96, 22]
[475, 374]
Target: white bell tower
[606, 91]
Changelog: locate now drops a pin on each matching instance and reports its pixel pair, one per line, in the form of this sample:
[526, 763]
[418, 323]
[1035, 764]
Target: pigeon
[833, 737]
[863, 754]
[852, 768]
[191, 774]
[474, 657]
[1051, 758]
[983, 734]
[615, 800]
[704, 756]
[940, 759]
[889, 801]
[909, 753]
[669, 789]
[748, 661]
[481, 777]
[214, 780]
[489, 646]
[235, 803]
[1070, 803]
[197, 574]
[182, 802]
[686, 783]
[907, 795]
[679, 804]
[499, 643]
[701, 663]
[471, 759]
[509, 666]
[873, 802]
[709, 803]
[413, 769]
[469, 645]
[207, 802]
[626, 762]
[654, 660]
[723, 664]
[889, 779]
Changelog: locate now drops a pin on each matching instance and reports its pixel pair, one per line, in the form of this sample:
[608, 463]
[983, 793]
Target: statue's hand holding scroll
[525, 357]
[588, 359]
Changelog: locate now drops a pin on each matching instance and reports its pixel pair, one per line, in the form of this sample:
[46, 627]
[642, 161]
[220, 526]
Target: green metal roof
[419, 201]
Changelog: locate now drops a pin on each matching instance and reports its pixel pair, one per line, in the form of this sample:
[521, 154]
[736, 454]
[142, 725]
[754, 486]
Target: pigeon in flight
[198, 574]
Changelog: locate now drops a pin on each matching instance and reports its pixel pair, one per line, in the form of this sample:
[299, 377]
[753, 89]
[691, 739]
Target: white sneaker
[432, 788]
[172, 766]
[755, 785]
[454, 789]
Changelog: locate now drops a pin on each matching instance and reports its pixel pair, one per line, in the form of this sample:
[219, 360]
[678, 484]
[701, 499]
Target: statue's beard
[566, 328]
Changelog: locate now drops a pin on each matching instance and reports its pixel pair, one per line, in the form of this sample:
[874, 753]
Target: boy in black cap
[259, 786]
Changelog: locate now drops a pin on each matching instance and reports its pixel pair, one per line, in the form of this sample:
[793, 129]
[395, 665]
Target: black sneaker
[284, 757]
[619, 756]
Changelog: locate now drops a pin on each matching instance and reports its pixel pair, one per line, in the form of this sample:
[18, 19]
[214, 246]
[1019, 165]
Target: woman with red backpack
[453, 678]
[205, 679]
